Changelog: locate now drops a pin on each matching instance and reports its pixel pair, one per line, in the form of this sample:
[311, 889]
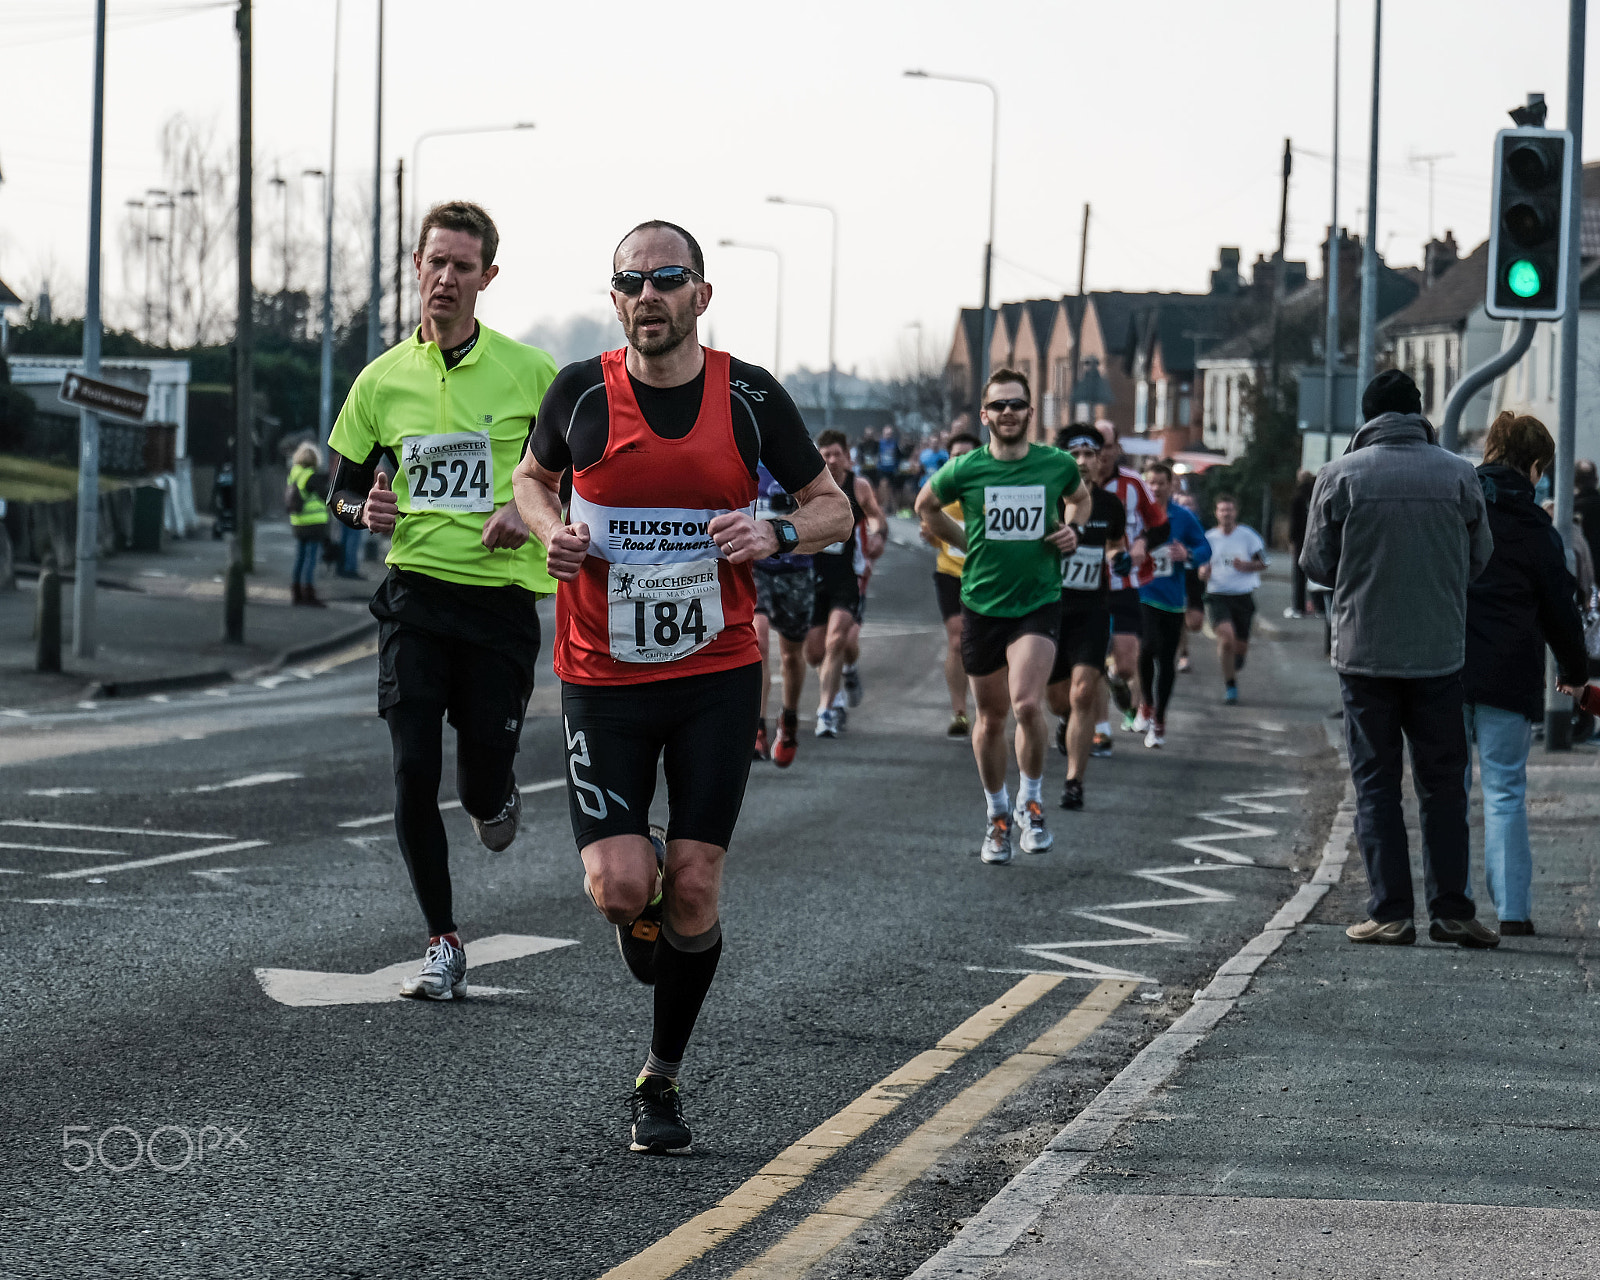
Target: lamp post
[188, 193]
[777, 321]
[325, 391]
[982, 363]
[375, 284]
[1331, 275]
[1366, 357]
[282, 183]
[833, 290]
[88, 541]
[144, 253]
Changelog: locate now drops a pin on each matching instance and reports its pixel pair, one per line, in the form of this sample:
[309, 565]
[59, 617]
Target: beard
[668, 339]
[1009, 433]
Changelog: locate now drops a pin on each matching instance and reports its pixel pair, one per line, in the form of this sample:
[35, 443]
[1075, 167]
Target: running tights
[1158, 655]
[483, 781]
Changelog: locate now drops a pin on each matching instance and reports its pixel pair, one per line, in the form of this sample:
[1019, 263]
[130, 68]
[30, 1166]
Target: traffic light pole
[1475, 380]
[1558, 715]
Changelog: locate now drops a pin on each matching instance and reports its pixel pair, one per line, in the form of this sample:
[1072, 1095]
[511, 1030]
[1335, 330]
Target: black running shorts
[836, 591]
[1085, 633]
[1237, 609]
[948, 589]
[984, 639]
[700, 729]
[482, 691]
[786, 597]
[1126, 620]
[1194, 590]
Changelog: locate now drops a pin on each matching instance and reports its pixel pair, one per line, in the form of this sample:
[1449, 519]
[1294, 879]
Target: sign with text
[103, 397]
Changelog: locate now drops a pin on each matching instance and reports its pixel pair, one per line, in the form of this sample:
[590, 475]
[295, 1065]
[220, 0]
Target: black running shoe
[658, 1125]
[1121, 694]
[1072, 793]
[637, 940]
[1061, 737]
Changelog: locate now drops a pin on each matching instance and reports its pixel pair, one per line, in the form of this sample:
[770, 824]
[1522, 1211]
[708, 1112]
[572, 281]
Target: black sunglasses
[1000, 406]
[631, 283]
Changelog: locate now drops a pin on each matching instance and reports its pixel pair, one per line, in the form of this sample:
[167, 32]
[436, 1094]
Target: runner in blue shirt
[1162, 601]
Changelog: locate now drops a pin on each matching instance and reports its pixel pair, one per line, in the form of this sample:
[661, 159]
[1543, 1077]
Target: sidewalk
[160, 620]
[1348, 1111]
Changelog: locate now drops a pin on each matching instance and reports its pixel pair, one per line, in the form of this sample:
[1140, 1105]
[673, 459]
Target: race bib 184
[452, 472]
[1014, 513]
[1082, 570]
[663, 612]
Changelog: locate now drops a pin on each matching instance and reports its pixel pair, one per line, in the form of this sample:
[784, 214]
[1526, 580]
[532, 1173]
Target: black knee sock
[684, 969]
[416, 734]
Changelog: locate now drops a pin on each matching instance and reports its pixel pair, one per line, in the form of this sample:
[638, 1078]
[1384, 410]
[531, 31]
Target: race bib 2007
[1082, 570]
[1014, 513]
[452, 472]
[663, 612]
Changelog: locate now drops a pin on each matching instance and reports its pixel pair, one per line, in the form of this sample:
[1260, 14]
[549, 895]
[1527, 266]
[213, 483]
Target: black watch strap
[788, 540]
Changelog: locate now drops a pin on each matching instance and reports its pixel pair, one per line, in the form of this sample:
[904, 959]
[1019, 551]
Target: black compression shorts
[1194, 590]
[1235, 609]
[984, 639]
[483, 692]
[1126, 620]
[1084, 637]
[700, 728]
[948, 589]
[836, 591]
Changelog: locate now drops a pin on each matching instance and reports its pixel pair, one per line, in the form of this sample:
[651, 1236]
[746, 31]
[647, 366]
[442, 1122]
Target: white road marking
[213, 874]
[158, 697]
[306, 988]
[87, 706]
[112, 831]
[62, 848]
[373, 821]
[55, 793]
[249, 780]
[158, 861]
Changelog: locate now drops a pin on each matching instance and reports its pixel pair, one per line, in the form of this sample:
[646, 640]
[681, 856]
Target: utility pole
[244, 438]
[399, 247]
[325, 394]
[1280, 283]
[89, 421]
[375, 289]
[1331, 275]
[1558, 719]
[1077, 328]
[1367, 354]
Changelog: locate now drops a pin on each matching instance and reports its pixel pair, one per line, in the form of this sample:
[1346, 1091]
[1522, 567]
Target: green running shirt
[1008, 508]
[457, 435]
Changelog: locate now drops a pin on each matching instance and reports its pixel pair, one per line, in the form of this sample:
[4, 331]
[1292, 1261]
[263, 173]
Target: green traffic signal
[1523, 279]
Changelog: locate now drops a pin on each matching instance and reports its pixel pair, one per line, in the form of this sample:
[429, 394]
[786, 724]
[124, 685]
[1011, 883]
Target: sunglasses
[1000, 406]
[631, 283]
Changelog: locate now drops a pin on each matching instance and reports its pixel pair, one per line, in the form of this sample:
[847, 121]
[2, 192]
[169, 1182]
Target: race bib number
[663, 612]
[1013, 513]
[1083, 569]
[1161, 562]
[450, 472]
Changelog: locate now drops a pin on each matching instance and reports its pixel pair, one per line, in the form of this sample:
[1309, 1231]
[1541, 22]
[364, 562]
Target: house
[8, 299]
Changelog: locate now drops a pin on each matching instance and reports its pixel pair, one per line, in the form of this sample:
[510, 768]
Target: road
[154, 857]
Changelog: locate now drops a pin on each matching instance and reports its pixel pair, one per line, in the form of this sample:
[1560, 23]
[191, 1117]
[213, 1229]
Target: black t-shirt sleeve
[785, 444]
[548, 443]
[1116, 520]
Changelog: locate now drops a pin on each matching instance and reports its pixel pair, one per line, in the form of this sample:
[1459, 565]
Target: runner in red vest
[655, 641]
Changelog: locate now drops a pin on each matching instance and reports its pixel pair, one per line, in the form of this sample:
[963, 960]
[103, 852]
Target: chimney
[1438, 256]
[1225, 279]
[42, 312]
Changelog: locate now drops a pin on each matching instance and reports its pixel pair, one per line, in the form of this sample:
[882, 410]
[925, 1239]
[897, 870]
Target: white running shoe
[1141, 721]
[443, 975]
[1156, 737]
[997, 841]
[1029, 821]
[826, 728]
[498, 832]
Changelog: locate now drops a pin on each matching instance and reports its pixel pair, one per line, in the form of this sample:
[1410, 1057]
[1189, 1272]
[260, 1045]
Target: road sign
[103, 397]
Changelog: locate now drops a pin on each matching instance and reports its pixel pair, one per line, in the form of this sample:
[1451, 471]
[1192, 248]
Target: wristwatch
[788, 539]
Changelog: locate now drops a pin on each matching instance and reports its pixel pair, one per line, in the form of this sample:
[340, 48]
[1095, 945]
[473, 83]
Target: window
[1427, 385]
[1185, 407]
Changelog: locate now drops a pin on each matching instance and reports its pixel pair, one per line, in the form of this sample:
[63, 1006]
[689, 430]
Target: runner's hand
[1064, 539]
[1177, 552]
[742, 538]
[505, 529]
[565, 551]
[382, 506]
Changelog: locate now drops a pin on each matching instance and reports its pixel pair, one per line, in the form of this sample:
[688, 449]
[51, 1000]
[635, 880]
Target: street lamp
[777, 322]
[325, 389]
[170, 205]
[282, 183]
[145, 254]
[988, 250]
[833, 290]
[188, 193]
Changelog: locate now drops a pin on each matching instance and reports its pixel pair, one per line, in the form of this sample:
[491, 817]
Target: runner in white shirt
[1238, 556]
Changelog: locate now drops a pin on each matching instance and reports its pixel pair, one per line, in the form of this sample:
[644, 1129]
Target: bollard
[233, 605]
[47, 621]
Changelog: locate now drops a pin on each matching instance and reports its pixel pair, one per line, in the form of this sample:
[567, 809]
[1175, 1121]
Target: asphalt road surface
[155, 857]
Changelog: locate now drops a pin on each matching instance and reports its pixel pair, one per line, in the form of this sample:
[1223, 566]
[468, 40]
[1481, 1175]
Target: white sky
[1167, 115]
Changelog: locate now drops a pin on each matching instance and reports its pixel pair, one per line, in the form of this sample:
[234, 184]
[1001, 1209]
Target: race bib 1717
[1082, 570]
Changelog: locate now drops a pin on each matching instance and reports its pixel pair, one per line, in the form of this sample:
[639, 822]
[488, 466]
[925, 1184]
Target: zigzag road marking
[1246, 803]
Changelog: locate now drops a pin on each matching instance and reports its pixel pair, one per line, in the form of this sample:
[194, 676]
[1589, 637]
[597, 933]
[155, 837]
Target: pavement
[1147, 1052]
[160, 623]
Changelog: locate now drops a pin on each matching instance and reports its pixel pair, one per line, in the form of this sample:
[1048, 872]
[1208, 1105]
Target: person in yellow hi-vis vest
[308, 516]
[947, 585]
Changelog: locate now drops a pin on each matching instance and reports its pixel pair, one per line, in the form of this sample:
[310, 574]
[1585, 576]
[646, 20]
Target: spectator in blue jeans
[1397, 528]
[1524, 600]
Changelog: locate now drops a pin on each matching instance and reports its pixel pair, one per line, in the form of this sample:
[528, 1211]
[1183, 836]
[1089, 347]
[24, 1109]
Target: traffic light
[1528, 238]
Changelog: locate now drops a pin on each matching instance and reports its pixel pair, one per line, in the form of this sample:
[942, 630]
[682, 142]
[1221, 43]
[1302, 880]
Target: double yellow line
[824, 1230]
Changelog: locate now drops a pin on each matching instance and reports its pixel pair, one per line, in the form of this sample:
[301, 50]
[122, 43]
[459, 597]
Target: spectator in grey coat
[1398, 529]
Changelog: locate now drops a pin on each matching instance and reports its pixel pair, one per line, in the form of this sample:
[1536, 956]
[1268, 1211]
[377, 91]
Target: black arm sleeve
[349, 484]
[786, 445]
[1116, 521]
[548, 443]
[1157, 534]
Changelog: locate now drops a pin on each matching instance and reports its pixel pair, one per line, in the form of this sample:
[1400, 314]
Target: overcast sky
[1167, 115]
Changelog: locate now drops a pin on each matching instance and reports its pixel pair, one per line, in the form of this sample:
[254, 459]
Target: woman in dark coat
[1524, 600]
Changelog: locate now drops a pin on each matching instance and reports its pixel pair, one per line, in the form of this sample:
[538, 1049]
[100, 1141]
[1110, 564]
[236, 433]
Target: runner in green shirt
[448, 413]
[1011, 494]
